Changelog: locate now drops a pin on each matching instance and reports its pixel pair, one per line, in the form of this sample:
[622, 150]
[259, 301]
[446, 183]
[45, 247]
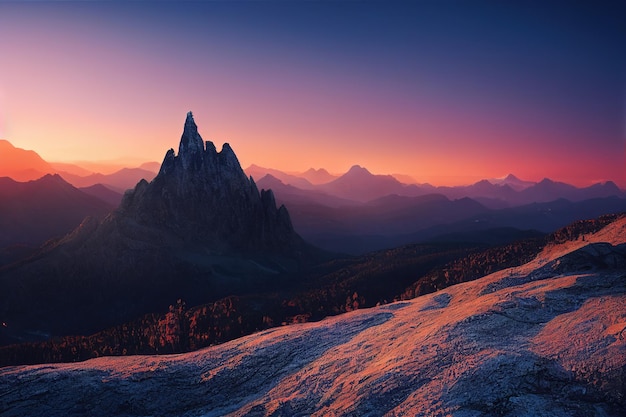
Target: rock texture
[203, 195]
[547, 338]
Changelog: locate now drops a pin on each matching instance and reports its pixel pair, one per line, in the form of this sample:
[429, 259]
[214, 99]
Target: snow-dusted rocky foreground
[547, 338]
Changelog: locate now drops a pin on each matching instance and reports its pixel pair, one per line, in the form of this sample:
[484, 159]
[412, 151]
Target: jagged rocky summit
[204, 196]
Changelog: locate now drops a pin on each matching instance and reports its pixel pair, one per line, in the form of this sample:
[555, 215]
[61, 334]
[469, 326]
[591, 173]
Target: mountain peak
[317, 171]
[513, 182]
[227, 152]
[318, 176]
[205, 196]
[190, 142]
[546, 181]
[6, 144]
[358, 169]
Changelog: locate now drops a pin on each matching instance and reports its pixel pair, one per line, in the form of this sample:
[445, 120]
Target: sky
[448, 92]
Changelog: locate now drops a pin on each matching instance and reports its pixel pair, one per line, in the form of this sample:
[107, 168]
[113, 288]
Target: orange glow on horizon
[113, 81]
[438, 169]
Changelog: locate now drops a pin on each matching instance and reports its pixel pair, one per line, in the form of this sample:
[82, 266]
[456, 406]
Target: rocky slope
[545, 338]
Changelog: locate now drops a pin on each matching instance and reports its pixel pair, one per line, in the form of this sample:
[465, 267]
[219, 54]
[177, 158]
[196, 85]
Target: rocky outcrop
[204, 196]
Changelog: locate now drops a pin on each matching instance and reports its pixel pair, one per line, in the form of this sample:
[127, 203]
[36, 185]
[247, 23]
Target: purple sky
[445, 91]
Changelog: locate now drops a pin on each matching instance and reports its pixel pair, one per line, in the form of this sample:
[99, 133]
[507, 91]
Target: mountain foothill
[89, 264]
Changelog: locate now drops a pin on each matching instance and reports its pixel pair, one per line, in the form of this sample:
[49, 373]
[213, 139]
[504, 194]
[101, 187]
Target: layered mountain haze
[546, 190]
[358, 184]
[513, 182]
[104, 193]
[26, 165]
[361, 185]
[72, 169]
[327, 218]
[543, 338]
[20, 164]
[34, 211]
[318, 176]
[360, 211]
[119, 181]
[258, 172]
[292, 196]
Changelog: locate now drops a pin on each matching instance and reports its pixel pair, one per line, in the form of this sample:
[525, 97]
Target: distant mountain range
[360, 186]
[360, 211]
[26, 165]
[357, 185]
[103, 193]
[513, 182]
[119, 181]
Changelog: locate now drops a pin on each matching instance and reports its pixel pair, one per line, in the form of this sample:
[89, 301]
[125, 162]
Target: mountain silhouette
[292, 196]
[104, 193]
[513, 182]
[318, 176]
[546, 190]
[20, 164]
[258, 172]
[361, 185]
[35, 211]
[120, 180]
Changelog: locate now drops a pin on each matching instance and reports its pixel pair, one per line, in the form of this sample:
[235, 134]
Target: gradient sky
[447, 92]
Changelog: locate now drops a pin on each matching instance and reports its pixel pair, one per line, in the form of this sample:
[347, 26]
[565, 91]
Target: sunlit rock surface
[547, 338]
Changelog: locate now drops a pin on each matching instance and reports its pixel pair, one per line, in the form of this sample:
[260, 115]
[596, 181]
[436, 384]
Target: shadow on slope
[213, 384]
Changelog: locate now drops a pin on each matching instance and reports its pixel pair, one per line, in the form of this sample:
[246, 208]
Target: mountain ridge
[509, 190]
[20, 164]
[37, 210]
